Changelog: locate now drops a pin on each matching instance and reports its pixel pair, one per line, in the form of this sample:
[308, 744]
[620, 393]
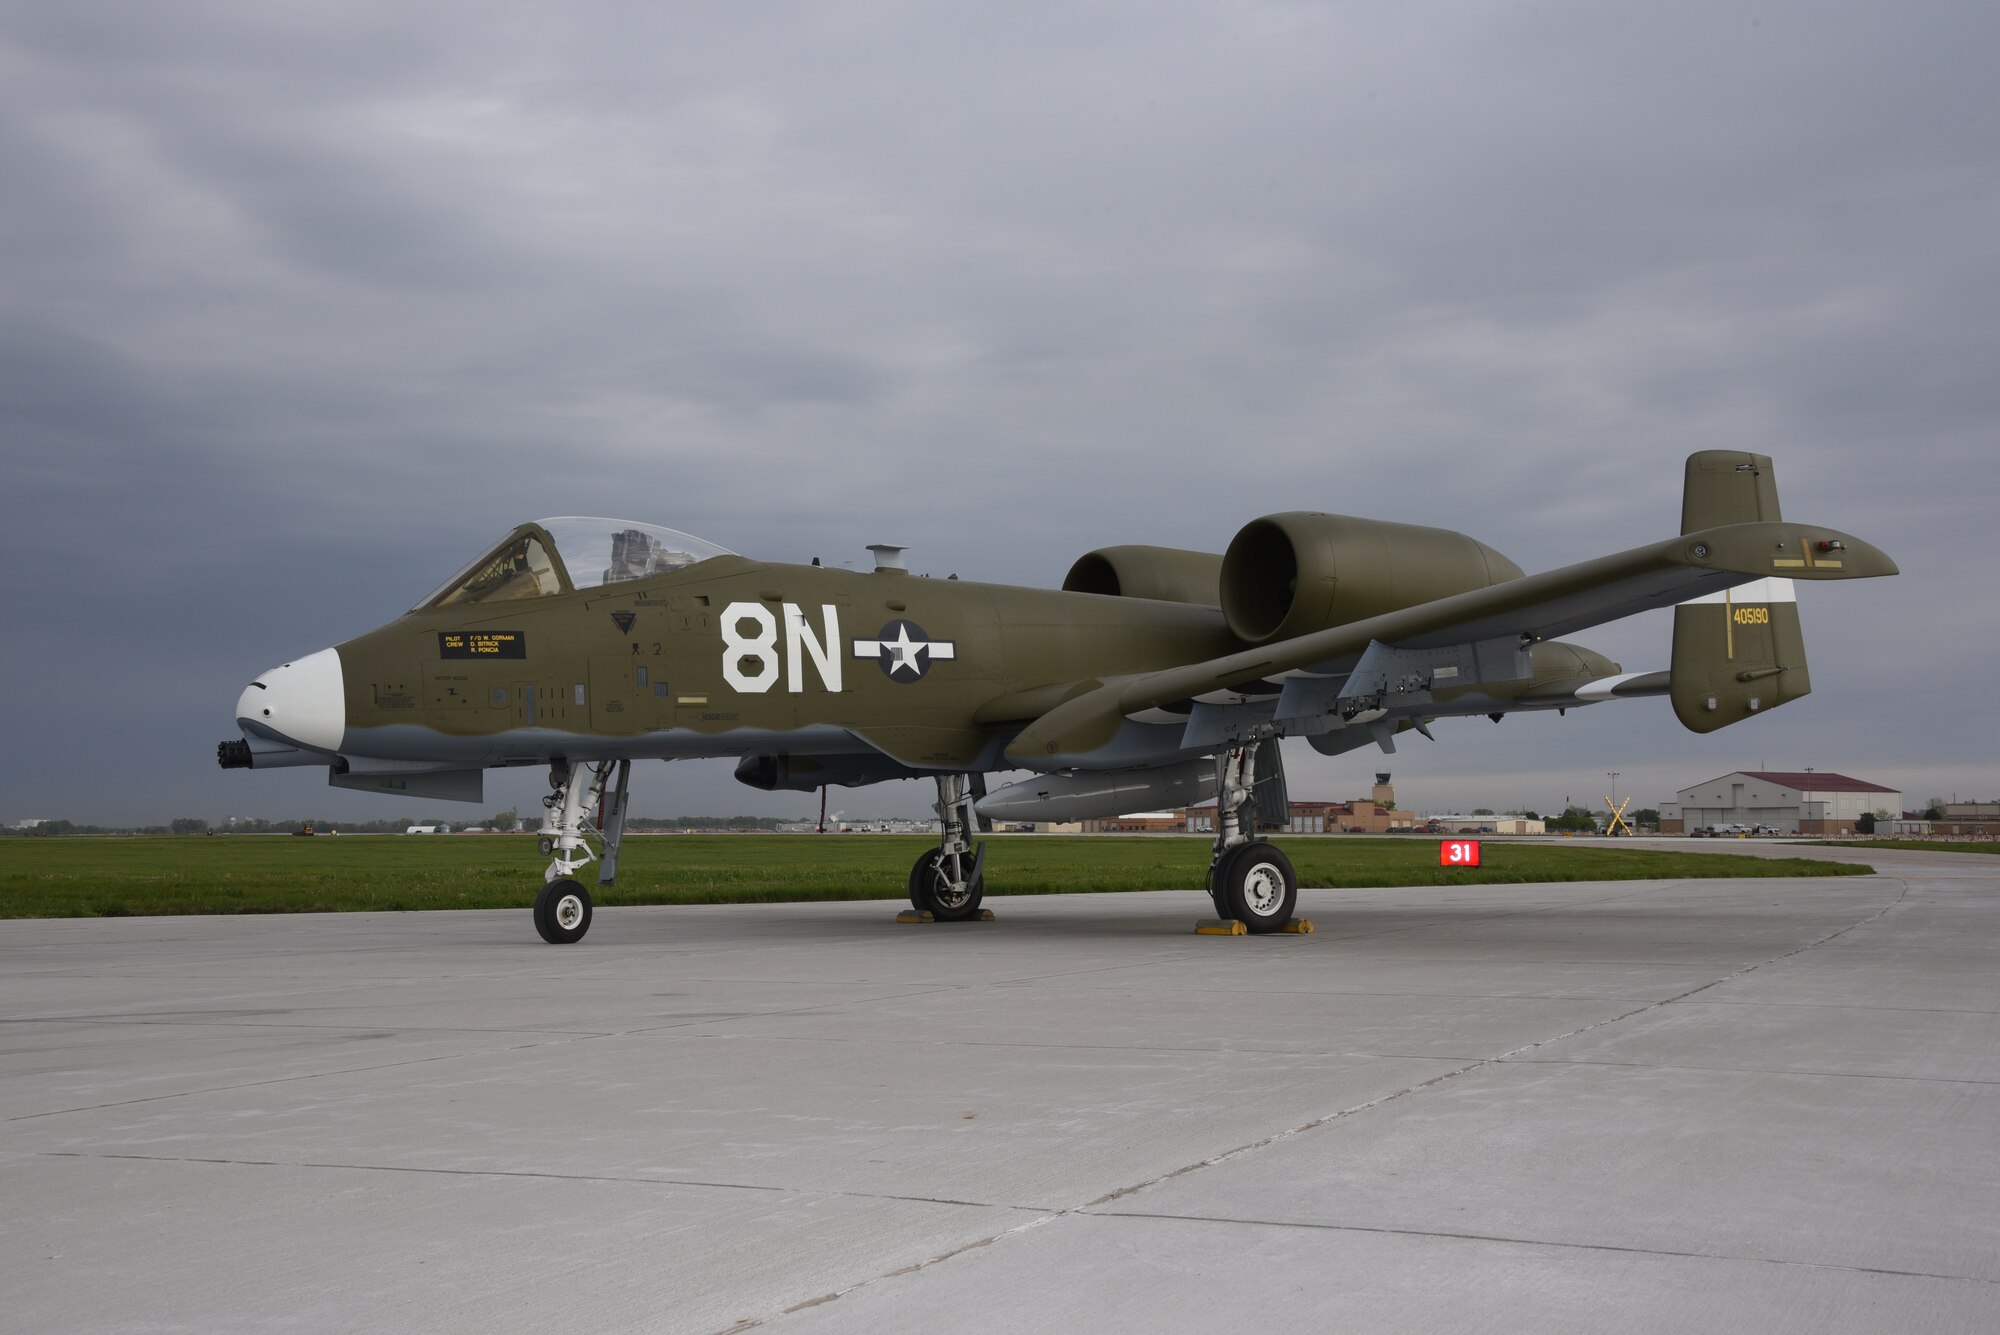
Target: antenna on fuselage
[889, 558]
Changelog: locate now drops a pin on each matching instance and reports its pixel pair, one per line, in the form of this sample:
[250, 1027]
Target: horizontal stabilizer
[1594, 690]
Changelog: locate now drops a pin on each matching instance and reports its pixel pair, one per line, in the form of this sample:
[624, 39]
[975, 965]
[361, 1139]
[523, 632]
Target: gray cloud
[305, 303]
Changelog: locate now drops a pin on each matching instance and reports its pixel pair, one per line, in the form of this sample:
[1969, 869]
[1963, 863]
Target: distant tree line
[505, 821]
[243, 825]
[50, 829]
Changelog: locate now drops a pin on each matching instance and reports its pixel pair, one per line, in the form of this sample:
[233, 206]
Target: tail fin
[1740, 651]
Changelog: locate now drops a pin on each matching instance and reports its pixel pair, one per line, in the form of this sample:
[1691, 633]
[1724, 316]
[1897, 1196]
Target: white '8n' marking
[801, 645]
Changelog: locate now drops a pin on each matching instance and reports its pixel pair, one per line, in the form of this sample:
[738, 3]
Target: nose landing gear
[583, 802]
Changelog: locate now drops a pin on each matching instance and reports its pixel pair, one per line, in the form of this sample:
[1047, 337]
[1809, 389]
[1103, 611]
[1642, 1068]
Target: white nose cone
[303, 702]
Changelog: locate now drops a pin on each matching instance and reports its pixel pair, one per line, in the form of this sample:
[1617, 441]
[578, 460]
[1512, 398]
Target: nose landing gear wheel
[1255, 885]
[562, 912]
[932, 892]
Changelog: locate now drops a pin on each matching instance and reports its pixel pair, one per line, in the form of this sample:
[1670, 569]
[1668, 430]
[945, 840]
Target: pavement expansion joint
[728, 1017]
[1430, 923]
[1713, 983]
[1043, 1214]
[901, 1271]
[1850, 1006]
[1553, 1243]
[630, 1180]
[1483, 1062]
[248, 1084]
[1758, 1070]
[170, 1021]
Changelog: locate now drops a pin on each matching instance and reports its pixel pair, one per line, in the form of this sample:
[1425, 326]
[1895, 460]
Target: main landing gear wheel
[1255, 884]
[932, 892]
[1215, 870]
[562, 912]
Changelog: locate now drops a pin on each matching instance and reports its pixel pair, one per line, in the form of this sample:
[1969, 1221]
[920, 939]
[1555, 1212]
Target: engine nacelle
[1290, 574]
[1166, 574]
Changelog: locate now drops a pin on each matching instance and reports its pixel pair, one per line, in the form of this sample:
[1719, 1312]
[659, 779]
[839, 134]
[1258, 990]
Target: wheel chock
[925, 915]
[1232, 927]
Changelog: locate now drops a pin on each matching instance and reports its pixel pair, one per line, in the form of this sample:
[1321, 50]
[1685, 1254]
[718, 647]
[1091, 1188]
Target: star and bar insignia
[904, 651]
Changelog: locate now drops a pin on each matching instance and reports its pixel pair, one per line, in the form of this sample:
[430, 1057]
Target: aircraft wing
[1525, 610]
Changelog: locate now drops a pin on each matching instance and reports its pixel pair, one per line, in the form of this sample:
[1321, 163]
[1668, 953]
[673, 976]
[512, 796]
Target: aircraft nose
[303, 703]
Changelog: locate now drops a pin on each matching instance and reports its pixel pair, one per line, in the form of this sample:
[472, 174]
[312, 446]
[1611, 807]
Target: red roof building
[1778, 802]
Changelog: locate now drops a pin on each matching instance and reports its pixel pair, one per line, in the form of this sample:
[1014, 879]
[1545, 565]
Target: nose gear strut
[578, 808]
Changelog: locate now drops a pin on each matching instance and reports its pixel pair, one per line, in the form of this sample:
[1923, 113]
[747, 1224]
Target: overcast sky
[301, 304]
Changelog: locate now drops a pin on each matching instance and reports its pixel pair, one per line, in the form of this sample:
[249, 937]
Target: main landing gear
[949, 881]
[584, 802]
[1249, 879]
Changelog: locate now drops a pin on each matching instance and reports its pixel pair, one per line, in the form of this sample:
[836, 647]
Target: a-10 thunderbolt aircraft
[1153, 677]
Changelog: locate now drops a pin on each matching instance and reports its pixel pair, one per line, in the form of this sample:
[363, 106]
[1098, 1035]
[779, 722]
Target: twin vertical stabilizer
[1740, 651]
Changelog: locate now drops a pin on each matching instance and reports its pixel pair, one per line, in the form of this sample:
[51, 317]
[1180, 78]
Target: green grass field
[114, 877]
[1916, 845]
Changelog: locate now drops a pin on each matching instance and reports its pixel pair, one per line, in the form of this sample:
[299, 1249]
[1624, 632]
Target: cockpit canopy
[568, 553]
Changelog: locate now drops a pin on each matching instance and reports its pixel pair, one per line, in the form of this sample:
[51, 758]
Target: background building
[1958, 820]
[1377, 814]
[1789, 802]
[1487, 824]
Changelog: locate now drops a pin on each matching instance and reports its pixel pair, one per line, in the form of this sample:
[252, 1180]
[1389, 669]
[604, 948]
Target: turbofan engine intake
[1290, 574]
[1166, 574]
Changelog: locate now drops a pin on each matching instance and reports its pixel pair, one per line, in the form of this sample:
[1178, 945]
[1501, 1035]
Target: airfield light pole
[1614, 784]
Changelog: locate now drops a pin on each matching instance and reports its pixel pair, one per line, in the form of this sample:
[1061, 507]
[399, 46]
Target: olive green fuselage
[715, 658]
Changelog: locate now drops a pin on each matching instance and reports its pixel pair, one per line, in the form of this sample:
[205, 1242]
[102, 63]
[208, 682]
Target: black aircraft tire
[931, 893]
[1217, 872]
[562, 912]
[1257, 886]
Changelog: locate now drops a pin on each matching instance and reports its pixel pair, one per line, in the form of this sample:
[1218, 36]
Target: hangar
[1786, 801]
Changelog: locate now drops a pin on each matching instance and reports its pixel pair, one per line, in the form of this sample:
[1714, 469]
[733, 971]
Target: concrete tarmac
[1640, 1106]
